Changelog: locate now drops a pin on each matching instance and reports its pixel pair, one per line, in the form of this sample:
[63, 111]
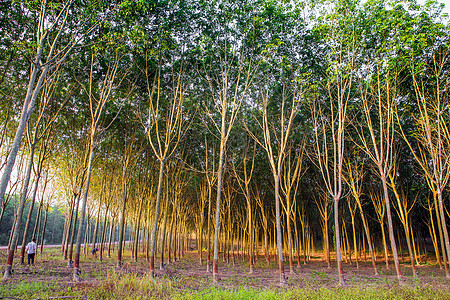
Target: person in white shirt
[31, 250]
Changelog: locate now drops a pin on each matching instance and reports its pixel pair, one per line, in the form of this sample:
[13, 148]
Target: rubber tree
[278, 129]
[71, 164]
[228, 79]
[404, 205]
[42, 156]
[432, 134]
[54, 42]
[352, 207]
[41, 131]
[396, 38]
[228, 57]
[376, 135]
[329, 114]
[99, 94]
[354, 176]
[16, 226]
[229, 98]
[165, 126]
[77, 191]
[166, 206]
[244, 185]
[430, 207]
[41, 213]
[11, 81]
[329, 145]
[256, 193]
[133, 146]
[110, 203]
[14, 185]
[143, 192]
[291, 175]
[36, 131]
[211, 177]
[323, 205]
[380, 209]
[203, 195]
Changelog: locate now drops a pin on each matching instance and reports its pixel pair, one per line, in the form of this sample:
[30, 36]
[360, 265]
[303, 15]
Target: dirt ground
[188, 272]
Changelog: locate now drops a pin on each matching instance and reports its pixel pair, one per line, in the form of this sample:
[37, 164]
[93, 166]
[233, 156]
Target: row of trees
[47, 223]
[287, 113]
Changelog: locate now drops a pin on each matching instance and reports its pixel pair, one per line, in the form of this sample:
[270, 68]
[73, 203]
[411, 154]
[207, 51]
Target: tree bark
[219, 194]
[27, 224]
[391, 226]
[44, 228]
[154, 236]
[76, 269]
[279, 231]
[338, 240]
[16, 227]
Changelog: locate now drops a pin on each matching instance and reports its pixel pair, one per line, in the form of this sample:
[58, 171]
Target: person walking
[31, 250]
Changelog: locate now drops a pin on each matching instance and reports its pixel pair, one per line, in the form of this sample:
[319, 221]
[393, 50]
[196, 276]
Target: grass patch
[311, 294]
[186, 279]
[29, 290]
[132, 286]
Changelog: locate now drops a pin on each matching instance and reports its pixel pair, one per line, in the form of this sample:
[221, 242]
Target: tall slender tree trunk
[384, 244]
[411, 251]
[369, 241]
[432, 230]
[163, 237]
[27, 224]
[338, 240]
[279, 231]
[444, 228]
[73, 229]
[16, 227]
[433, 233]
[298, 241]
[250, 237]
[66, 232]
[326, 242]
[121, 226]
[94, 237]
[219, 195]
[138, 227]
[355, 245]
[391, 226]
[76, 269]
[200, 239]
[37, 224]
[154, 236]
[170, 241]
[289, 235]
[111, 234]
[37, 227]
[27, 109]
[102, 241]
[105, 225]
[44, 228]
[208, 257]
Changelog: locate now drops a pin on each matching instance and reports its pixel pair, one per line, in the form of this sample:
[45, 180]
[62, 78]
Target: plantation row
[242, 128]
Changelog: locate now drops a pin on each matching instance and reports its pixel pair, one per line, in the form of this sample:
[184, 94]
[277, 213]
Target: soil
[188, 273]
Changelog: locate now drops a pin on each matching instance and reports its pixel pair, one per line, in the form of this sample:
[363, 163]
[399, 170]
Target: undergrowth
[131, 286]
[103, 281]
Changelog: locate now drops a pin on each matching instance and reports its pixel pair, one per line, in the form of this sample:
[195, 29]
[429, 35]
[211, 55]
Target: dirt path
[4, 248]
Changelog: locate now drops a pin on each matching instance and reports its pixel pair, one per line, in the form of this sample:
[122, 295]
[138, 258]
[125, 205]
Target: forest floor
[186, 278]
